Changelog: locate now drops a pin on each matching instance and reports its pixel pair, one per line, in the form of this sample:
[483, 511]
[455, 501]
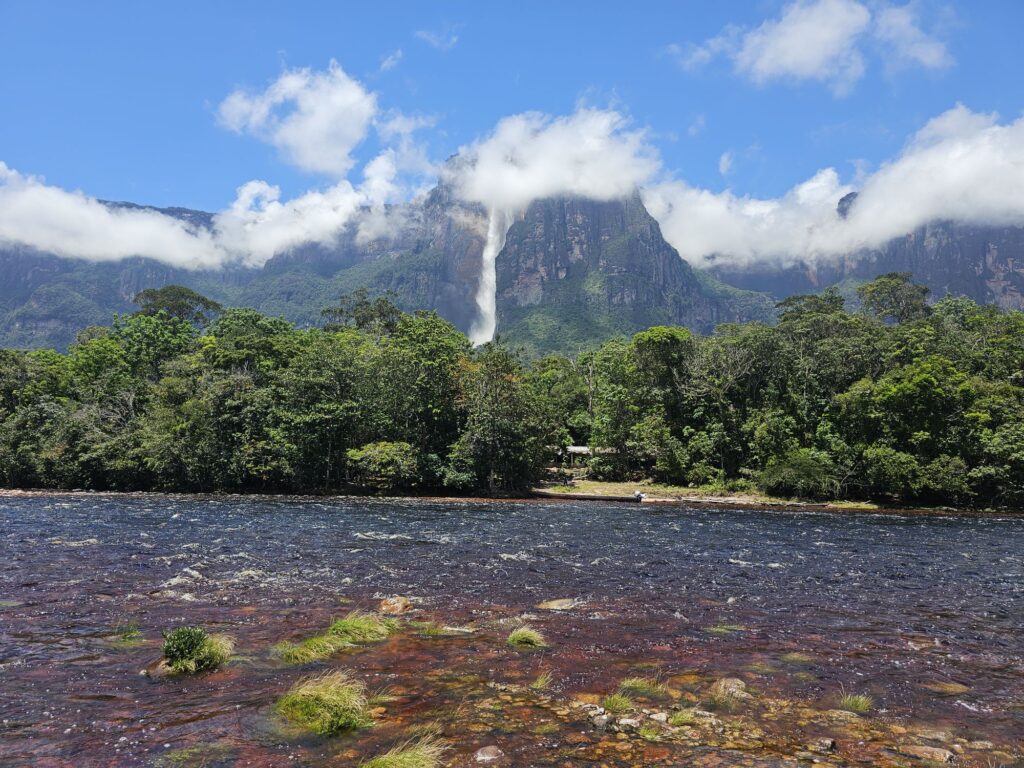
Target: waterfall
[498, 223]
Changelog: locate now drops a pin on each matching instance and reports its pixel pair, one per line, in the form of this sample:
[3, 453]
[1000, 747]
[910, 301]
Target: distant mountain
[573, 272]
[983, 263]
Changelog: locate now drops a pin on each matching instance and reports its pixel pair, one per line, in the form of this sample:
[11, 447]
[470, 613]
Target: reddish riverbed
[923, 614]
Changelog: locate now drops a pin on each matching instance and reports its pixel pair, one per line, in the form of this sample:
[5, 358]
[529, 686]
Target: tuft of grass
[358, 627]
[128, 631]
[723, 701]
[546, 729]
[649, 733]
[327, 704]
[617, 703]
[642, 686]
[526, 637]
[796, 657]
[682, 717]
[762, 668]
[425, 753]
[543, 681]
[724, 629]
[856, 702]
[191, 649]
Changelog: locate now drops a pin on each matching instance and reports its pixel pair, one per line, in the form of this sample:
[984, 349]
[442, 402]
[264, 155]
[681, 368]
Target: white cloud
[725, 163]
[906, 43]
[315, 118]
[70, 224]
[594, 153]
[443, 39]
[696, 126]
[819, 40]
[391, 61]
[961, 166]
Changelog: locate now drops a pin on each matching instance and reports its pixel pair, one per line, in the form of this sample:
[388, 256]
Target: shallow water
[882, 605]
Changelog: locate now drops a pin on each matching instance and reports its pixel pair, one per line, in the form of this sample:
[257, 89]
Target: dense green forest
[901, 400]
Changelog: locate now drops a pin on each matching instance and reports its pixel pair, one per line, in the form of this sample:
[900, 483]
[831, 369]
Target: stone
[488, 754]
[731, 687]
[659, 717]
[629, 724]
[934, 754]
[982, 745]
[822, 745]
[599, 721]
[934, 734]
[393, 606]
[558, 604]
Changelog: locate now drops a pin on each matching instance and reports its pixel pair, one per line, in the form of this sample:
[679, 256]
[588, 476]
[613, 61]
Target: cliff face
[574, 269]
[983, 263]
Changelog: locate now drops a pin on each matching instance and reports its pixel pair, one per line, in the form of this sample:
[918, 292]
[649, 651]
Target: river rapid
[924, 614]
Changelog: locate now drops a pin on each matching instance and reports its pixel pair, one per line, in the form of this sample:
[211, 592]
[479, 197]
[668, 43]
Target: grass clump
[649, 733]
[642, 686]
[724, 629]
[617, 703]
[856, 702]
[526, 637]
[357, 627]
[327, 704]
[682, 717]
[543, 681]
[425, 753]
[795, 657]
[191, 649]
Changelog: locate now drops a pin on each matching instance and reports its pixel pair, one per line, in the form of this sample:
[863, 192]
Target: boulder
[488, 754]
[731, 687]
[558, 604]
[933, 754]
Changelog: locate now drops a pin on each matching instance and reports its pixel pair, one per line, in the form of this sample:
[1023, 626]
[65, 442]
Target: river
[923, 614]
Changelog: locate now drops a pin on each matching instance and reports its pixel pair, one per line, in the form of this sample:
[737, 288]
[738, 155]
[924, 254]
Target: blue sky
[742, 123]
[119, 99]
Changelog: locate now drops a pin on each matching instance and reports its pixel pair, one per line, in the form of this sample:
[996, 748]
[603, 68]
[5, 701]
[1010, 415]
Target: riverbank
[659, 493]
[583, 490]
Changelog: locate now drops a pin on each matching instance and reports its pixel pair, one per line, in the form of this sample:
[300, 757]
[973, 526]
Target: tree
[894, 297]
[179, 302]
[379, 315]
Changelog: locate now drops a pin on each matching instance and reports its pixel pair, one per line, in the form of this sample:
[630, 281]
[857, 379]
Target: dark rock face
[983, 263]
[572, 266]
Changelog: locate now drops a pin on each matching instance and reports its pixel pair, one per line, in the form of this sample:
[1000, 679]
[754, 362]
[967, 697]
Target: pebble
[488, 754]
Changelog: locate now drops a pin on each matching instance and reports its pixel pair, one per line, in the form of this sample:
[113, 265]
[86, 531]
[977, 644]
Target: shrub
[327, 704]
[888, 472]
[385, 465]
[191, 649]
[801, 472]
[526, 637]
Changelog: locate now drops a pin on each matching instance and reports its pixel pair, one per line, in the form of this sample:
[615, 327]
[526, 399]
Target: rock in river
[488, 754]
[933, 754]
[558, 604]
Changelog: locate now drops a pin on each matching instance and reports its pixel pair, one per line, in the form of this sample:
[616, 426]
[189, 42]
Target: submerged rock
[934, 754]
[488, 754]
[393, 606]
[558, 604]
[731, 687]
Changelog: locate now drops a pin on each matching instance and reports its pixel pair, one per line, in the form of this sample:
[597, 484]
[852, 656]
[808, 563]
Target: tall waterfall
[498, 223]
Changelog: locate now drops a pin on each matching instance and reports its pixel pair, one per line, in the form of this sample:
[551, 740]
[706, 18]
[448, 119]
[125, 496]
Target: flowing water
[922, 613]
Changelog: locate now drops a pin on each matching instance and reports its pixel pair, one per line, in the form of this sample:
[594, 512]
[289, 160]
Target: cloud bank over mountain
[960, 165]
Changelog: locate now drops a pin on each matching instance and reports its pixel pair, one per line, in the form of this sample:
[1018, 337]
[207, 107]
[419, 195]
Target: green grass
[649, 733]
[642, 686]
[543, 681]
[617, 703]
[525, 637]
[425, 753]
[327, 704]
[682, 717]
[856, 702]
[724, 629]
[356, 628]
[188, 650]
[546, 729]
[795, 657]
